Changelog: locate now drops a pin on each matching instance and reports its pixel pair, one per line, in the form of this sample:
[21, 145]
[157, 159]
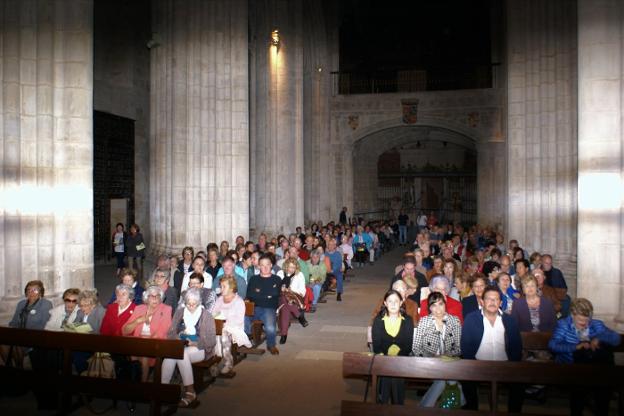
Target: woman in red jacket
[118, 312]
[150, 320]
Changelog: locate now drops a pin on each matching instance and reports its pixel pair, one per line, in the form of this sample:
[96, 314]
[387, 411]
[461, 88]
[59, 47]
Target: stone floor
[305, 378]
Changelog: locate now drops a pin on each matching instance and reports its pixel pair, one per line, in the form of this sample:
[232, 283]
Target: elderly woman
[193, 324]
[533, 313]
[118, 313]
[291, 299]
[318, 272]
[362, 244]
[152, 320]
[231, 307]
[508, 293]
[437, 334]
[579, 338]
[91, 311]
[170, 294]
[392, 334]
[33, 312]
[442, 285]
[64, 313]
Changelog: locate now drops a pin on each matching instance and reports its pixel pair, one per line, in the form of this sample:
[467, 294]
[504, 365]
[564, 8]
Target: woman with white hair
[442, 285]
[193, 324]
[152, 319]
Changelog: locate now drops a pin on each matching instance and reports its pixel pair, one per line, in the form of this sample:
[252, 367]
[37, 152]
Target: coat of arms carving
[410, 111]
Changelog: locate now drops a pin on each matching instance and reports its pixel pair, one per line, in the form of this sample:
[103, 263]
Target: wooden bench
[538, 341]
[257, 332]
[200, 368]
[491, 372]
[69, 384]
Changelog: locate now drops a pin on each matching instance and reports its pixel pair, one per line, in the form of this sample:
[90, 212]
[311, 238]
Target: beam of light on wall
[600, 191]
[42, 200]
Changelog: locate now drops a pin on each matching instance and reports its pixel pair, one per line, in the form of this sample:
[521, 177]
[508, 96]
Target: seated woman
[208, 296]
[437, 334]
[392, 334]
[545, 291]
[152, 319]
[118, 313]
[508, 293]
[579, 338]
[291, 299]
[475, 301]
[64, 313]
[533, 313]
[128, 277]
[318, 272]
[193, 324]
[91, 310]
[32, 312]
[91, 313]
[442, 285]
[231, 307]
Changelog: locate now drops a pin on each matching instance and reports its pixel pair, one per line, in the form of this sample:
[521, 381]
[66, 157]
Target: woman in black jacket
[392, 334]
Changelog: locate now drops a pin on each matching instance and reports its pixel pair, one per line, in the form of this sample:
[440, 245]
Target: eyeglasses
[33, 290]
[70, 300]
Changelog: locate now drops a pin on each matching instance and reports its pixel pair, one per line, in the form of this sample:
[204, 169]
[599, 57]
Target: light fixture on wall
[275, 39]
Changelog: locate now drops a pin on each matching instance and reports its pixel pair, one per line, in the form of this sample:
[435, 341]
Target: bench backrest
[537, 341]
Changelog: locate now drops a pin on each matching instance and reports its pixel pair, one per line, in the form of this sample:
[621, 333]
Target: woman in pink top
[152, 319]
[231, 307]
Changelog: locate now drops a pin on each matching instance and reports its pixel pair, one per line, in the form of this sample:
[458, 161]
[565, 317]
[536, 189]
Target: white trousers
[191, 355]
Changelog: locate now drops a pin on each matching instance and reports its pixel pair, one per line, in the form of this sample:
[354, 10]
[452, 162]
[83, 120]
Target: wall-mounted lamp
[275, 38]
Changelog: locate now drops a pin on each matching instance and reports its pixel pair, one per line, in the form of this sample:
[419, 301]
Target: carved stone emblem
[410, 111]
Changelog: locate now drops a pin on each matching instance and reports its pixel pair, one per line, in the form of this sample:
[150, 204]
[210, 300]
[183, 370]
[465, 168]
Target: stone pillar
[276, 116]
[491, 175]
[542, 134]
[199, 151]
[321, 165]
[601, 155]
[46, 146]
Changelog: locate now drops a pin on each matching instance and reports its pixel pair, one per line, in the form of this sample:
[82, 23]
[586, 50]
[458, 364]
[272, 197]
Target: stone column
[199, 150]
[321, 166]
[276, 116]
[600, 156]
[46, 146]
[542, 134]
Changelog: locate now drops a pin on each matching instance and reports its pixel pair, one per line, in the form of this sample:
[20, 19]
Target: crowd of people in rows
[284, 277]
[464, 294]
[458, 293]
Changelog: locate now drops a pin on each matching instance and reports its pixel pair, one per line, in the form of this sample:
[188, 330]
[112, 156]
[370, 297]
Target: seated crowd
[284, 278]
[474, 301]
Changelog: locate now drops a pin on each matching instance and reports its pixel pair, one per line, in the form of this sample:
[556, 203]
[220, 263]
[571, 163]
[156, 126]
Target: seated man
[581, 339]
[489, 334]
[264, 291]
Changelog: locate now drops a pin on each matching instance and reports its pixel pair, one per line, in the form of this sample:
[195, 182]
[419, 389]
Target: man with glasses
[64, 313]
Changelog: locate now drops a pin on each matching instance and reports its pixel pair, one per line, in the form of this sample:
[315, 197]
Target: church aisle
[306, 376]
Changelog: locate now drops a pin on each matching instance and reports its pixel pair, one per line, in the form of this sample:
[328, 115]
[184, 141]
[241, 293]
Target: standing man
[264, 291]
[343, 216]
[489, 334]
[403, 218]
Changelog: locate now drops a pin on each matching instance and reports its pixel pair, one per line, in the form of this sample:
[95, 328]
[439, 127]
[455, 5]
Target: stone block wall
[46, 91]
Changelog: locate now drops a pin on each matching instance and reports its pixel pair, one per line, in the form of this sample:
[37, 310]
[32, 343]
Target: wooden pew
[68, 384]
[257, 333]
[491, 372]
[538, 341]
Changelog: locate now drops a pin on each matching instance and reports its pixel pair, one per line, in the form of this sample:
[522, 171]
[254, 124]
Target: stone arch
[369, 143]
